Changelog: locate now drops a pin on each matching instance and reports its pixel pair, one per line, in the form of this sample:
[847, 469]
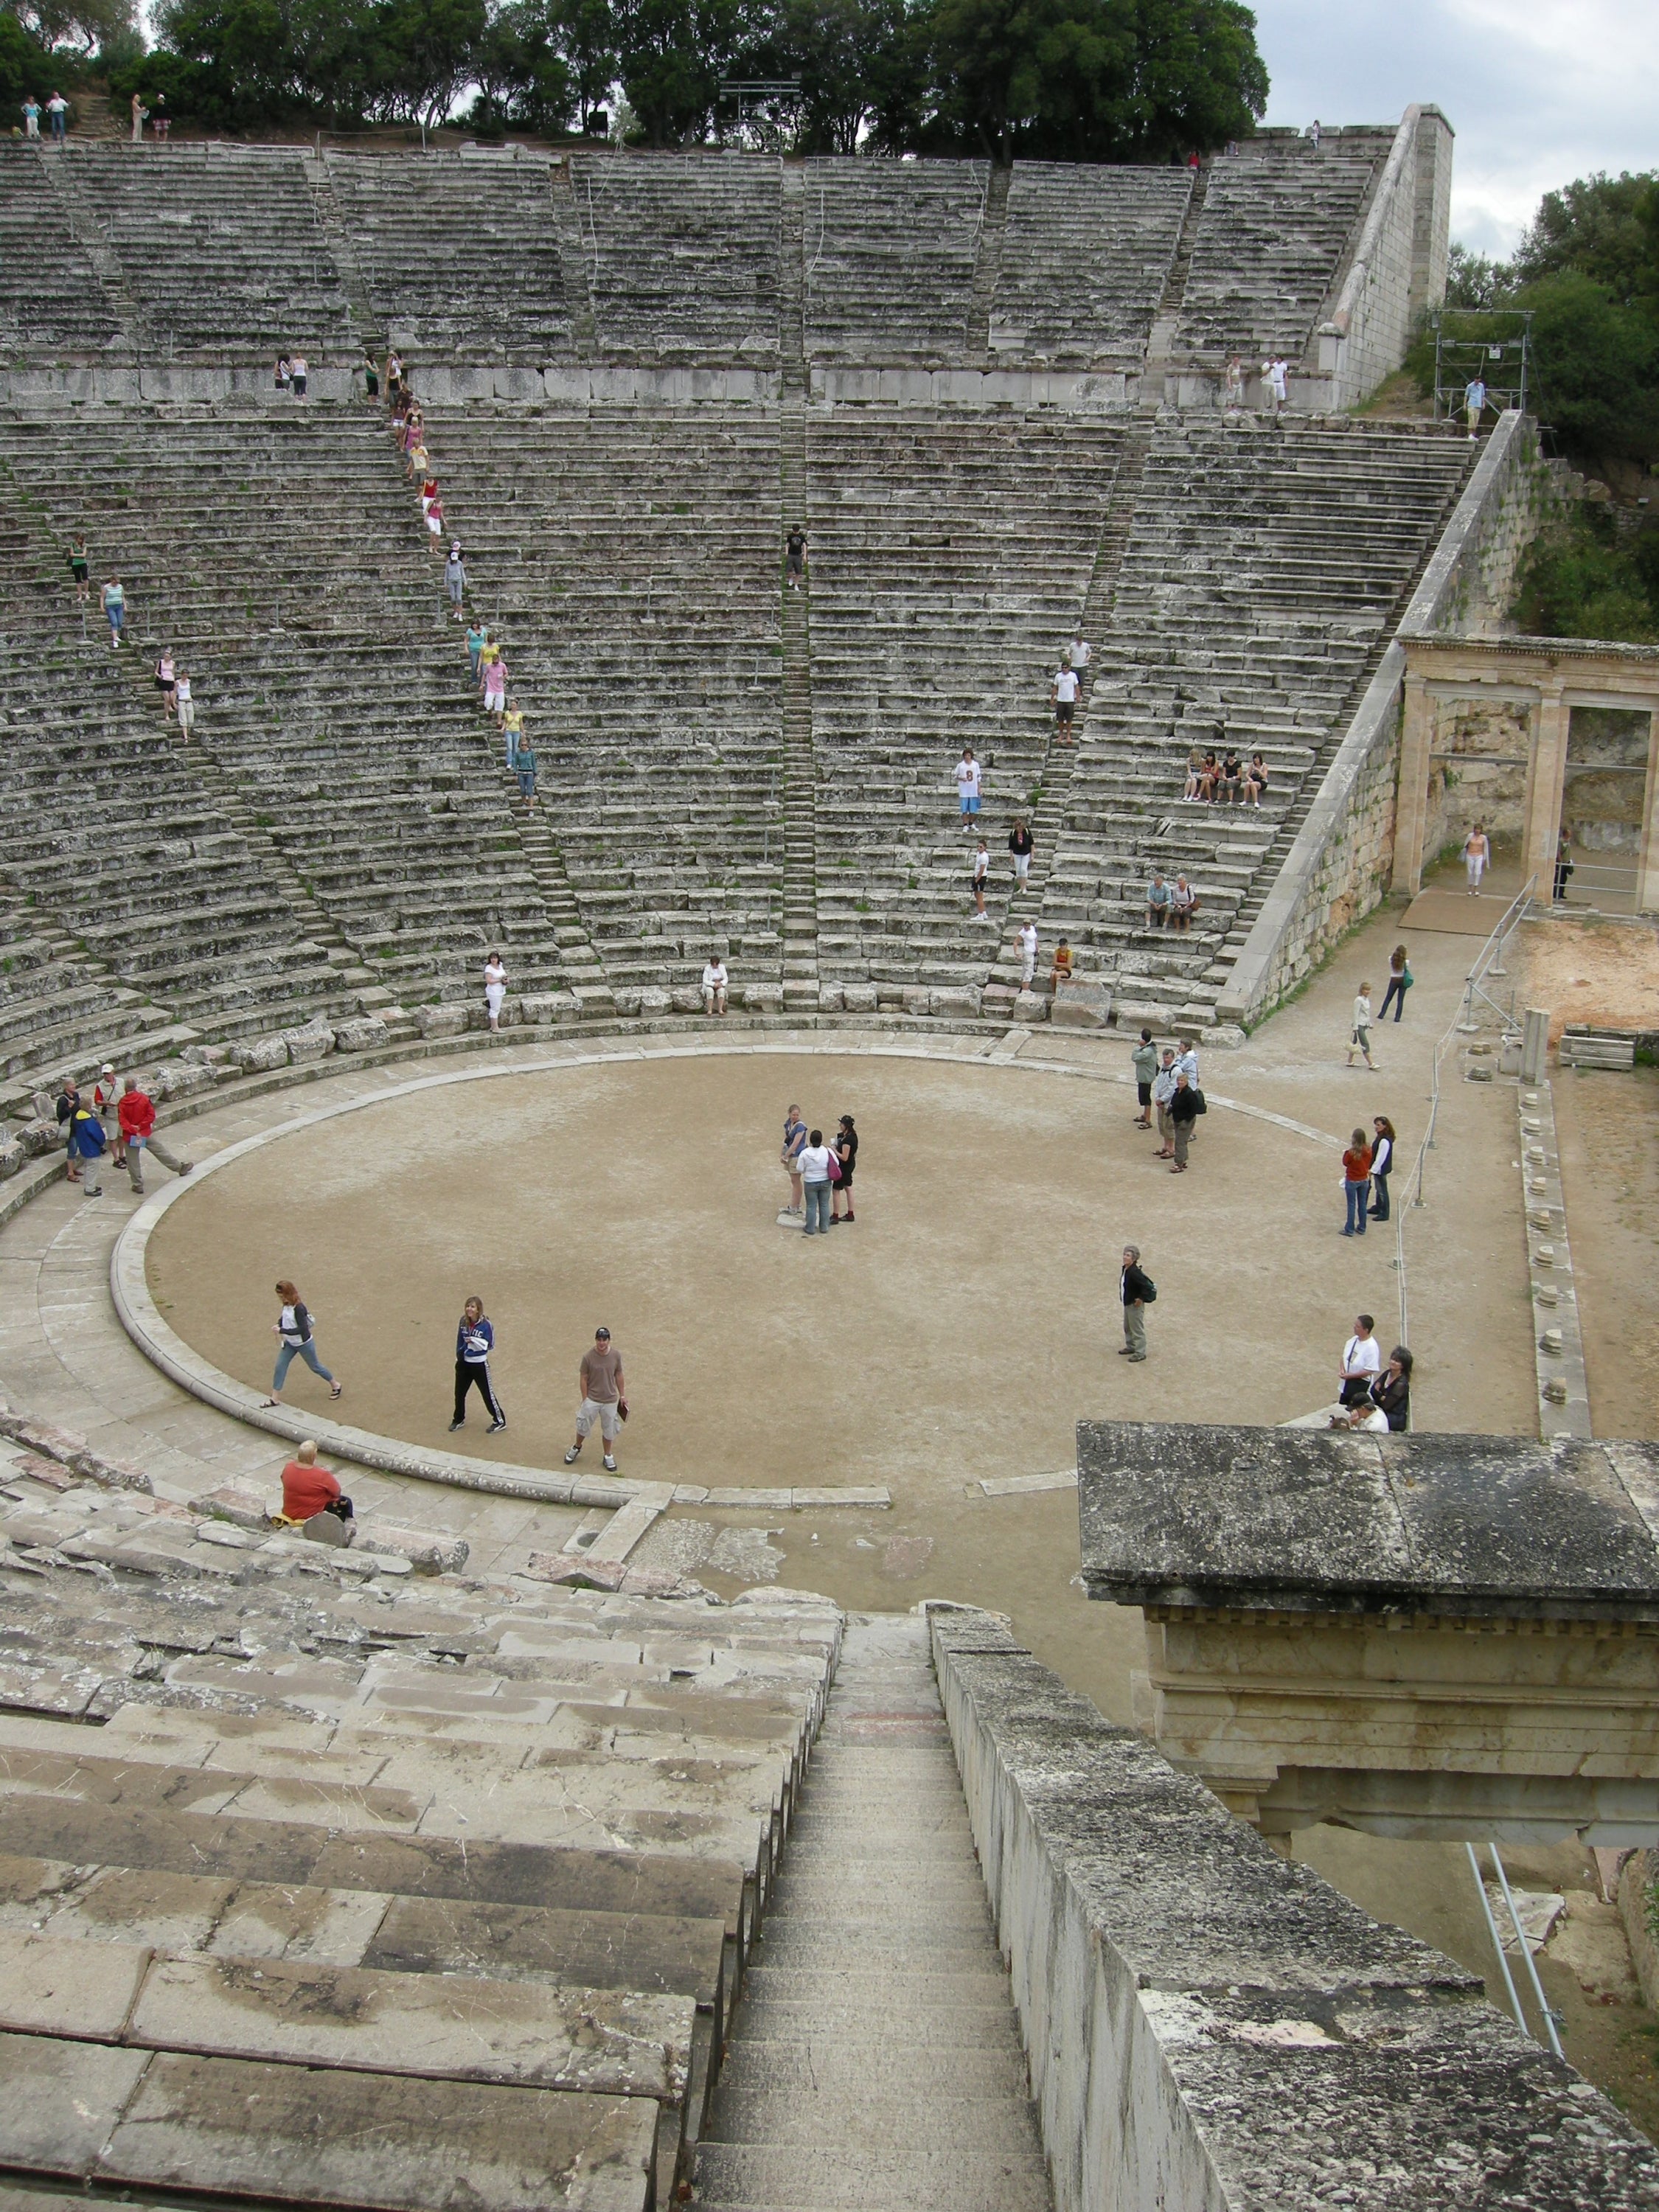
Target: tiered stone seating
[1277, 220]
[950, 558]
[890, 253]
[283, 560]
[408, 1888]
[683, 254]
[1263, 571]
[632, 556]
[459, 254]
[221, 247]
[1085, 255]
[52, 306]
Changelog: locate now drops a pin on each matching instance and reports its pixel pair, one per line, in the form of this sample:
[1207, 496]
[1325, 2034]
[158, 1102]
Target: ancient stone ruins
[338, 1875]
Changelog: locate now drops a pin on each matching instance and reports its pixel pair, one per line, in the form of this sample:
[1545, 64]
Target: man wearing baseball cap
[604, 1399]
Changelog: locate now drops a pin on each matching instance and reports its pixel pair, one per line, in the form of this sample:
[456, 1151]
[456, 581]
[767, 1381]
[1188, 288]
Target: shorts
[796, 567]
[1064, 709]
[592, 1411]
[969, 805]
[1144, 1093]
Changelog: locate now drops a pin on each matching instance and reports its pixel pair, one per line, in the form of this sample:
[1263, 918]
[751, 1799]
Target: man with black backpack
[1138, 1291]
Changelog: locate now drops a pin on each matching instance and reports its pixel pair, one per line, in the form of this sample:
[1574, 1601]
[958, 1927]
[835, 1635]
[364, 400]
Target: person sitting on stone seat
[1183, 904]
[1160, 902]
[1208, 776]
[1060, 972]
[1193, 787]
[308, 1490]
[1255, 781]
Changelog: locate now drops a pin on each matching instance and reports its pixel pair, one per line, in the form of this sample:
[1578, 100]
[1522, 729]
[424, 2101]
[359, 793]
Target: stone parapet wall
[1209, 2026]
[1338, 868]
[1366, 335]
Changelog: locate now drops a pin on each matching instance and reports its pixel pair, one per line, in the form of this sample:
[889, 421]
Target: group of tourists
[56, 111]
[1223, 782]
[820, 1175]
[117, 1123]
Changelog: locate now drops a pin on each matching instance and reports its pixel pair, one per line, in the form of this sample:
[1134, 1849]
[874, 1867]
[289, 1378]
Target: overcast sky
[1538, 93]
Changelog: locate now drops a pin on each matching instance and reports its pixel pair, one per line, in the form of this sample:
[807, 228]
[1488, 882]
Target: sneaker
[609, 1464]
[186, 1167]
[456, 1425]
[494, 1428]
[570, 1457]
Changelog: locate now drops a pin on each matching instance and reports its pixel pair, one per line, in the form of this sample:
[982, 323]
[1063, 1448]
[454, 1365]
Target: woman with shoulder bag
[1401, 980]
[295, 1340]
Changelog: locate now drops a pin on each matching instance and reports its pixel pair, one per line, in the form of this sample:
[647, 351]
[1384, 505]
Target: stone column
[1545, 777]
[1647, 872]
[1412, 806]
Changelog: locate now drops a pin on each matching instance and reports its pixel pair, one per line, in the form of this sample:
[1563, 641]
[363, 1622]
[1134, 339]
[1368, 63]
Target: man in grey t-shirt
[604, 1399]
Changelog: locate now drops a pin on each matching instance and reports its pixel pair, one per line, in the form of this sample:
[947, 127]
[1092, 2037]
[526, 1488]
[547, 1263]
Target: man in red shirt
[308, 1489]
[136, 1115]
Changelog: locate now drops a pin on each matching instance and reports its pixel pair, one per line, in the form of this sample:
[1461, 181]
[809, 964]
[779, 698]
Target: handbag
[621, 1409]
[834, 1165]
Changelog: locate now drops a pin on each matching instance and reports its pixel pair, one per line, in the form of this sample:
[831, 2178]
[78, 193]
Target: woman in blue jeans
[295, 1339]
[814, 1166]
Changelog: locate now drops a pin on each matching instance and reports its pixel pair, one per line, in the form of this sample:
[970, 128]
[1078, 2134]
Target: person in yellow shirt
[512, 727]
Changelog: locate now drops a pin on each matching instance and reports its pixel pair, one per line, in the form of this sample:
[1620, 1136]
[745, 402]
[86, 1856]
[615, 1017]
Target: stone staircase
[876, 2058]
[800, 947]
[988, 260]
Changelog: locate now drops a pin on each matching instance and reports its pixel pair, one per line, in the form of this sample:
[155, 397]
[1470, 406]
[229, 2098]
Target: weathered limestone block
[315, 1040]
[686, 999]
[39, 1136]
[12, 1156]
[441, 1021]
[653, 1002]
[181, 1078]
[549, 1006]
[432, 1553]
[245, 1508]
[916, 998]
[258, 1056]
[764, 998]
[832, 997]
[1080, 1007]
[72, 1452]
[1030, 1006]
[627, 1002]
[955, 1003]
[362, 1035]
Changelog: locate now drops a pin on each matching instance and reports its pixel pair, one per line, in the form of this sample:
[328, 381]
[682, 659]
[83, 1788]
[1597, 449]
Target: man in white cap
[106, 1104]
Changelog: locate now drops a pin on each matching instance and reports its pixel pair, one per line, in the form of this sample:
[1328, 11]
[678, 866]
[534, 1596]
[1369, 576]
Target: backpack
[1149, 1296]
[1201, 1103]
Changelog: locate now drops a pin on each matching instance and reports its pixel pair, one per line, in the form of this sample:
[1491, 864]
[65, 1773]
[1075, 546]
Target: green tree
[1094, 80]
[1586, 578]
[861, 69]
[1600, 226]
[1475, 281]
[671, 57]
[1597, 366]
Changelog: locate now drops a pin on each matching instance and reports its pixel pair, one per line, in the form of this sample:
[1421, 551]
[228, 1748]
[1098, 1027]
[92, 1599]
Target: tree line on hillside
[1070, 80]
[1588, 267]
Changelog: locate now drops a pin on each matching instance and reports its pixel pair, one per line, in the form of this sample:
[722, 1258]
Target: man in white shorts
[604, 1400]
[968, 784]
[1028, 952]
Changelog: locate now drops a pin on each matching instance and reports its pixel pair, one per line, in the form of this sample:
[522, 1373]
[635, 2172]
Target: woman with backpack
[295, 1340]
[1401, 980]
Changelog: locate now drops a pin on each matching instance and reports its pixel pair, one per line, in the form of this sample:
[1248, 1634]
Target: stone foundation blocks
[259, 1055]
[363, 1035]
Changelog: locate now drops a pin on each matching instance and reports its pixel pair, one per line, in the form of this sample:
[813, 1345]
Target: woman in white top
[184, 703]
[495, 988]
[981, 869]
[1359, 1039]
[1477, 856]
[713, 985]
[814, 1167]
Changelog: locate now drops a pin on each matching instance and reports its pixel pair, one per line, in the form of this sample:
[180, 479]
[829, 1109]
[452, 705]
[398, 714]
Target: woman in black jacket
[1382, 1166]
[1392, 1390]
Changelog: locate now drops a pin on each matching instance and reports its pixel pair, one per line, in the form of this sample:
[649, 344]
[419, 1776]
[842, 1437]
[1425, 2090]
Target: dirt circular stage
[955, 1331]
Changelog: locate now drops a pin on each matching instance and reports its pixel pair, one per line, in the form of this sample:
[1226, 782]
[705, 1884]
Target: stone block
[327, 1528]
[181, 1078]
[999, 999]
[434, 1552]
[363, 1035]
[12, 1157]
[686, 999]
[549, 1006]
[1080, 1008]
[39, 1137]
[244, 1507]
[518, 383]
[441, 1021]
[315, 1040]
[256, 1055]
[652, 1002]
[958, 1005]
[859, 998]
[831, 998]
[916, 998]
[627, 1002]
[764, 998]
[1030, 1006]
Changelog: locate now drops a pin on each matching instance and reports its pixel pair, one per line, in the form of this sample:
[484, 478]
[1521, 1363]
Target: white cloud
[1537, 94]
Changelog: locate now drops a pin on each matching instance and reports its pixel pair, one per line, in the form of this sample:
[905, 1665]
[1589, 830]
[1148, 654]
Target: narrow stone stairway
[876, 2061]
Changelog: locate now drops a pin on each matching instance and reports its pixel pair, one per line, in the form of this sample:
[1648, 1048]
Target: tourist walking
[1401, 980]
[1026, 937]
[475, 1340]
[1144, 1060]
[115, 608]
[1062, 698]
[281, 373]
[604, 1399]
[78, 569]
[455, 578]
[1356, 1183]
[1183, 1112]
[476, 635]
[523, 767]
[166, 683]
[715, 980]
[1474, 405]
[794, 1143]
[817, 1176]
[967, 783]
[309, 1490]
[1163, 1090]
[794, 559]
[847, 1152]
[976, 885]
[64, 1109]
[1382, 1144]
[1080, 653]
[1362, 1361]
[1021, 846]
[513, 730]
[495, 676]
[295, 1330]
[394, 381]
[57, 108]
[1137, 1290]
[1359, 1035]
[495, 982]
[1563, 868]
[184, 700]
[136, 1115]
[88, 1145]
[1477, 857]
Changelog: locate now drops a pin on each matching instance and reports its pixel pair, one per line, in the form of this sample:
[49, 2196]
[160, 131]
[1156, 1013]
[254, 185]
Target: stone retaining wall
[1338, 868]
[1399, 264]
[1211, 2028]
